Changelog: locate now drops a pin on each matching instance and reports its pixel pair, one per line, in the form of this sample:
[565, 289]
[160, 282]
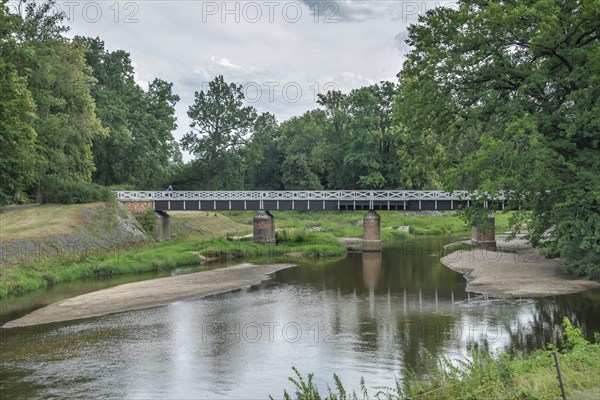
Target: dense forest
[493, 96]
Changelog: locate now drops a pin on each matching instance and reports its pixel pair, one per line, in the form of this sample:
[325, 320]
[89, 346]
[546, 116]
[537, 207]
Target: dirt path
[515, 270]
[144, 294]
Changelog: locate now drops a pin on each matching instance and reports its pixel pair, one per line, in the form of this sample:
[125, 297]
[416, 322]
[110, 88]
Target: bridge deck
[331, 200]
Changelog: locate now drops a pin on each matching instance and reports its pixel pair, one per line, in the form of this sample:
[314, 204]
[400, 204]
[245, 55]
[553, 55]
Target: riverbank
[515, 270]
[154, 292]
[42, 245]
[489, 376]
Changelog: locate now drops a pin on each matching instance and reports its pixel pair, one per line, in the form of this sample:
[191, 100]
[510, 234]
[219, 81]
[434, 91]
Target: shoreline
[515, 270]
[150, 293]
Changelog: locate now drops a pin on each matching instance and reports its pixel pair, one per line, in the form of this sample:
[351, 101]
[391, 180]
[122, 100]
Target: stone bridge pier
[263, 227]
[485, 239]
[371, 232]
[162, 227]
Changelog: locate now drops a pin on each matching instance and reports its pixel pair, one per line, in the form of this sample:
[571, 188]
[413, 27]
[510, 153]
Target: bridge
[266, 201]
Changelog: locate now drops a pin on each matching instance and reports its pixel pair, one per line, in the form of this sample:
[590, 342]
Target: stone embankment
[33, 233]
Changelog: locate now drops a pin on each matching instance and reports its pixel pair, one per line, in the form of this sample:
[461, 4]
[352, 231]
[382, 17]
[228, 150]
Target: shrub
[57, 189]
[148, 221]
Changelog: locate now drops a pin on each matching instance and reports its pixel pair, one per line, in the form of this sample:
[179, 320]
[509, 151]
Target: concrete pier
[264, 227]
[162, 228]
[371, 232]
[485, 239]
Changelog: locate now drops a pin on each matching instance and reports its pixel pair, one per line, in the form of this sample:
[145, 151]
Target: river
[369, 315]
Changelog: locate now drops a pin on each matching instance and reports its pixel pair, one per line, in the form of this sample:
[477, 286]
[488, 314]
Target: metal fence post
[559, 376]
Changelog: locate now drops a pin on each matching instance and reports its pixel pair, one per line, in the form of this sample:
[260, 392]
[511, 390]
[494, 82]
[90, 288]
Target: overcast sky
[283, 52]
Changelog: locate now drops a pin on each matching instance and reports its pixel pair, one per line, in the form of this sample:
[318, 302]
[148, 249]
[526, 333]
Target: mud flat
[144, 294]
[515, 270]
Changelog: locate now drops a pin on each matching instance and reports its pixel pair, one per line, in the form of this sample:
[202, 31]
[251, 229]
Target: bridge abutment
[371, 232]
[138, 207]
[162, 228]
[264, 227]
[485, 239]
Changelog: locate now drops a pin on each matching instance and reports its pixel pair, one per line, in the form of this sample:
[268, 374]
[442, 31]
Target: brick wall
[371, 232]
[138, 207]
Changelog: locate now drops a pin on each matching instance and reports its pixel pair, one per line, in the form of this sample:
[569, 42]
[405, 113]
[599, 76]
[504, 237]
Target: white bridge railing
[336, 195]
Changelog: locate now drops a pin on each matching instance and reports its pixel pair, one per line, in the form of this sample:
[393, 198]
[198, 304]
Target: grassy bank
[184, 251]
[497, 376]
[300, 234]
[23, 278]
[349, 223]
[296, 244]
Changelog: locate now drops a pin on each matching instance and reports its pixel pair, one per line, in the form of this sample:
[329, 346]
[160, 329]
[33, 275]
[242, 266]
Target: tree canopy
[507, 93]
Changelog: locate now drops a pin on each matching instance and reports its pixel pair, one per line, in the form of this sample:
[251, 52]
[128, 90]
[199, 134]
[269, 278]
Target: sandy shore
[515, 270]
[144, 294]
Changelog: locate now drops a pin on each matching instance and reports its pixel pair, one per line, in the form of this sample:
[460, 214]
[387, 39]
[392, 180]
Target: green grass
[184, 251]
[23, 278]
[306, 244]
[349, 223]
[487, 376]
[301, 234]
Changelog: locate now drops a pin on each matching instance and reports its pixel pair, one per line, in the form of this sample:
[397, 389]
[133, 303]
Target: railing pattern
[336, 195]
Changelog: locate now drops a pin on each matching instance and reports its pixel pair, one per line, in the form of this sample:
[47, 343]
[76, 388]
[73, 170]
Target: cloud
[224, 62]
[400, 42]
[348, 10]
[283, 56]
[356, 80]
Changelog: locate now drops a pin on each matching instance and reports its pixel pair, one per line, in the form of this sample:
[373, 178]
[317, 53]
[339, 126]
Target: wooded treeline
[493, 95]
[71, 112]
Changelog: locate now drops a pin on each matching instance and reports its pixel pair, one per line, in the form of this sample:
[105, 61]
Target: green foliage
[314, 245]
[19, 159]
[504, 96]
[349, 223]
[264, 154]
[139, 147]
[148, 221]
[60, 82]
[103, 263]
[290, 236]
[221, 126]
[57, 189]
[573, 335]
[305, 390]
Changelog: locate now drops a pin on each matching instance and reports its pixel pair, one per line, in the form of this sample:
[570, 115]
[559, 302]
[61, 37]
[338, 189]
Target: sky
[283, 52]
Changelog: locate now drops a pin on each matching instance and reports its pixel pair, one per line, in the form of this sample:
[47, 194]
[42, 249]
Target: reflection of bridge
[265, 201]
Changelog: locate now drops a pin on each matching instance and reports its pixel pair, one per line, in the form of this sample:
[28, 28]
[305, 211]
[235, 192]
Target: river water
[370, 315]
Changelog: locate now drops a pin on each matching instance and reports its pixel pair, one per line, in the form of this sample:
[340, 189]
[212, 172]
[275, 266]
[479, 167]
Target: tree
[519, 83]
[66, 121]
[304, 165]
[221, 126]
[264, 155]
[139, 146]
[19, 157]
[370, 156]
[60, 82]
[334, 147]
[153, 145]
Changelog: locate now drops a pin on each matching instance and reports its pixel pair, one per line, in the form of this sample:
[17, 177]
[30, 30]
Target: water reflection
[371, 265]
[370, 315]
